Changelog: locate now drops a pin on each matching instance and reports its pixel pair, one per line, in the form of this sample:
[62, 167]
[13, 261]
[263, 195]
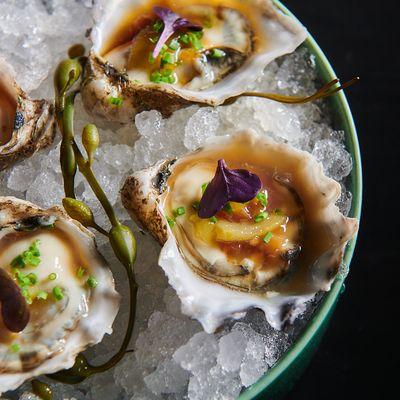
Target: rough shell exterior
[102, 81]
[142, 197]
[104, 300]
[35, 125]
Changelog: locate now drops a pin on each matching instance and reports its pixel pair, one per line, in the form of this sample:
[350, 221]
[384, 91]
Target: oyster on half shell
[26, 125]
[276, 250]
[125, 76]
[50, 258]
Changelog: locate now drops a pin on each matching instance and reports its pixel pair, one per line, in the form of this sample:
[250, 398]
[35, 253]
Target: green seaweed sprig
[120, 236]
[325, 91]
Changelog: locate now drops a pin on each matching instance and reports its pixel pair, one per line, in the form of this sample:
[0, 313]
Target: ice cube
[202, 125]
[199, 354]
[46, 190]
[21, 177]
[164, 334]
[345, 201]
[335, 159]
[169, 377]
[29, 396]
[231, 351]
[254, 364]
[215, 384]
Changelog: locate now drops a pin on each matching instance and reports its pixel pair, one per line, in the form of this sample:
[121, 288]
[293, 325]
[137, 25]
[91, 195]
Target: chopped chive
[27, 295]
[228, 208]
[158, 26]
[165, 76]
[196, 34]
[204, 187]
[25, 292]
[28, 257]
[196, 205]
[192, 38]
[267, 237]
[217, 53]
[58, 293]
[179, 211]
[262, 199]
[184, 38]
[260, 217]
[15, 348]
[80, 272]
[154, 40]
[163, 49]
[156, 77]
[18, 262]
[174, 45]
[42, 295]
[33, 279]
[116, 101]
[195, 40]
[92, 282]
[152, 60]
[52, 277]
[22, 280]
[167, 58]
[213, 220]
[171, 222]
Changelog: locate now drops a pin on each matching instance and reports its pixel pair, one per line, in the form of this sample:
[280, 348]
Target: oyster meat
[164, 54]
[67, 288]
[276, 250]
[26, 125]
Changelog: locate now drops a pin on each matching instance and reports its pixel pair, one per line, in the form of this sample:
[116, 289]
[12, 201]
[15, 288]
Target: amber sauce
[279, 200]
[37, 308]
[8, 108]
[315, 241]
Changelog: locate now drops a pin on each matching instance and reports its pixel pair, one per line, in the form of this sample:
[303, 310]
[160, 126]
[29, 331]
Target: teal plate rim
[311, 331]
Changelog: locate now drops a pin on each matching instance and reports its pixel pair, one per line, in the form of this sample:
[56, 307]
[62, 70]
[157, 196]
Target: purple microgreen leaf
[172, 23]
[237, 185]
[14, 309]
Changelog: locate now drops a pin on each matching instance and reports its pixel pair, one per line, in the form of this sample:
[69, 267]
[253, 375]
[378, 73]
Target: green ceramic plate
[280, 379]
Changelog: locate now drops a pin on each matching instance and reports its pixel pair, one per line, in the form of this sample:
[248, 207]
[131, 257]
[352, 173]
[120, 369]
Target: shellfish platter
[174, 196]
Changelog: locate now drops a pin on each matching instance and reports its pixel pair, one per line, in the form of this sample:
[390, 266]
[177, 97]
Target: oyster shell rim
[93, 331]
[140, 198]
[103, 79]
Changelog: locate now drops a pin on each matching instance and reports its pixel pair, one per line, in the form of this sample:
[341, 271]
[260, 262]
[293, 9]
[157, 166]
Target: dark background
[357, 358]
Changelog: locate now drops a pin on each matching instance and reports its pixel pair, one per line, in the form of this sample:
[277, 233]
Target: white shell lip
[285, 32]
[211, 303]
[104, 300]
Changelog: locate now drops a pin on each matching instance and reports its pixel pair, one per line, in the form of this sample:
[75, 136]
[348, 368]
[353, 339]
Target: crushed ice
[173, 357]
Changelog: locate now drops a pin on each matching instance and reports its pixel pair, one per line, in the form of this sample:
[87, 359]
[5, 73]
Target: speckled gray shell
[35, 125]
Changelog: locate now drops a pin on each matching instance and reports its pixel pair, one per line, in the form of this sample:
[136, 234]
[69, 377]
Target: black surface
[357, 358]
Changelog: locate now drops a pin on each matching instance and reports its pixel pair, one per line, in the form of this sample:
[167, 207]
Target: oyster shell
[213, 279]
[253, 33]
[26, 125]
[59, 327]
